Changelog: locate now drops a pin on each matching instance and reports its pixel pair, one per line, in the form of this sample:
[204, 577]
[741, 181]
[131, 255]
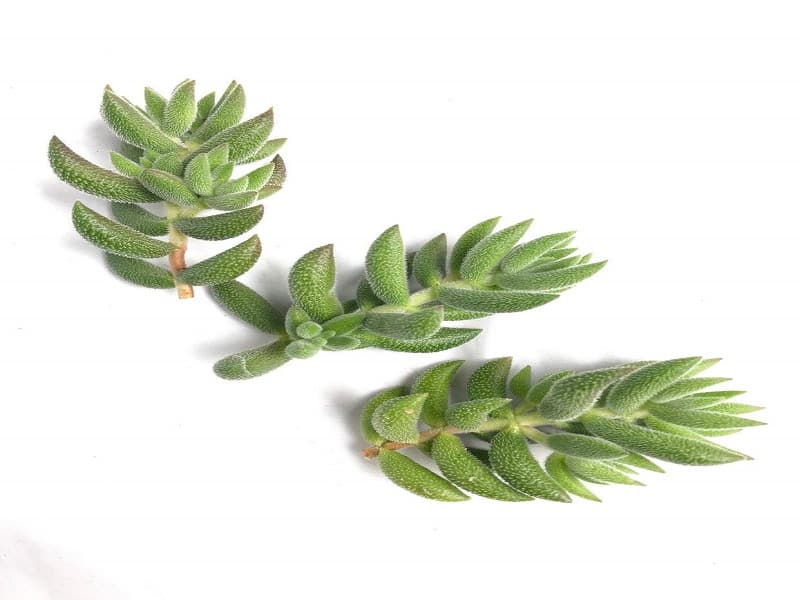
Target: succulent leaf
[133, 126]
[139, 219]
[168, 187]
[584, 446]
[311, 284]
[368, 431]
[548, 280]
[253, 363]
[460, 295]
[234, 201]
[468, 239]
[636, 389]
[417, 325]
[526, 254]
[430, 262]
[386, 267]
[556, 467]
[198, 175]
[511, 458]
[225, 266]
[417, 479]
[435, 382]
[115, 238]
[484, 256]
[472, 414]
[180, 110]
[221, 227]
[396, 419]
[139, 272]
[249, 306]
[226, 113]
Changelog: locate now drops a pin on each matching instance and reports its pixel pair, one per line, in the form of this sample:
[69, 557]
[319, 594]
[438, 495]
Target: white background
[667, 133]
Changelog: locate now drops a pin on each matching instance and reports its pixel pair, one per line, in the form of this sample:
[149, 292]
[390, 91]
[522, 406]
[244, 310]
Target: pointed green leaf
[225, 266]
[658, 444]
[198, 175]
[132, 126]
[596, 471]
[435, 382]
[468, 240]
[309, 330]
[250, 307]
[548, 280]
[115, 238]
[295, 317]
[511, 458]
[572, 396]
[343, 324]
[365, 297]
[311, 284]
[234, 186]
[396, 419]
[367, 430]
[204, 107]
[704, 399]
[139, 272]
[557, 469]
[641, 462]
[457, 314]
[269, 148]
[87, 177]
[301, 349]
[168, 187]
[632, 392]
[180, 111]
[584, 446]
[243, 139]
[430, 262]
[735, 408]
[139, 219]
[253, 363]
[276, 180]
[258, 178]
[489, 380]
[685, 387]
[221, 227]
[392, 323]
[227, 113]
[171, 163]
[231, 201]
[484, 256]
[468, 472]
[701, 419]
[342, 342]
[125, 165]
[520, 383]
[444, 339]
[471, 414]
[155, 104]
[219, 157]
[539, 390]
[526, 254]
[417, 479]
[386, 267]
[492, 301]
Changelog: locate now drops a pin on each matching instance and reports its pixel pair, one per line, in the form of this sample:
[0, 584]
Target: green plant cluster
[598, 426]
[178, 155]
[403, 301]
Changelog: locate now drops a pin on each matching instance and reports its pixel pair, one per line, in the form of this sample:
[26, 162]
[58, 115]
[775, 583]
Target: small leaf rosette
[595, 427]
[404, 300]
[178, 156]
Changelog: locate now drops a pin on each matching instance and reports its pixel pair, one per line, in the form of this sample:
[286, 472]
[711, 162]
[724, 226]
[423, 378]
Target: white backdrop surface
[665, 133]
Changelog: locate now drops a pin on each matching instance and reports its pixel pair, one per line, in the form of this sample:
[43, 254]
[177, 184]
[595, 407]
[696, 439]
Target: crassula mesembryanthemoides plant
[596, 426]
[178, 155]
[403, 301]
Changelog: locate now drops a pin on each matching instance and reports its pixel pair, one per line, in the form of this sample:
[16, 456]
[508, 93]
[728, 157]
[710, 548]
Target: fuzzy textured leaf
[225, 266]
[221, 227]
[115, 238]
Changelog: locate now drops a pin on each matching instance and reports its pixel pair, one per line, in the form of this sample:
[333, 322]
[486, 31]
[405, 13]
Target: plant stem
[177, 258]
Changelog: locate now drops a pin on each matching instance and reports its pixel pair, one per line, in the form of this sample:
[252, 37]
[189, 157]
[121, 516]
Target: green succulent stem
[177, 258]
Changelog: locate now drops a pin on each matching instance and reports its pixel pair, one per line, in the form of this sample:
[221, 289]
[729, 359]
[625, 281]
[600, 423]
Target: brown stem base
[177, 263]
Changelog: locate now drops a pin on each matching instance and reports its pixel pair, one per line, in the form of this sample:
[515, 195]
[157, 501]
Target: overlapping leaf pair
[598, 425]
[486, 273]
[182, 153]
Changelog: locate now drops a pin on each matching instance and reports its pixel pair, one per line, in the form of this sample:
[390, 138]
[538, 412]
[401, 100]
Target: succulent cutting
[403, 301]
[596, 427]
[177, 155]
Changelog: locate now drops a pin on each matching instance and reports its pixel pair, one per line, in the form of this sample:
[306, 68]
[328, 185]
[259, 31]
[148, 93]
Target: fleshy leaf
[198, 175]
[301, 349]
[417, 479]
[87, 177]
[584, 446]
[386, 267]
[430, 262]
[685, 387]
[133, 126]
[342, 342]
[488, 252]
[221, 227]
[468, 472]
[367, 430]
[139, 272]
[417, 325]
[471, 414]
[526, 254]
[155, 104]
[311, 283]
[168, 187]
[659, 444]
[539, 390]
[180, 111]
[435, 382]
[444, 339]
[245, 304]
[227, 113]
[225, 266]
[139, 219]
[235, 201]
[491, 301]
[258, 178]
[701, 419]
[115, 238]
[269, 148]
[632, 392]
[396, 419]
[573, 396]
[489, 380]
[252, 363]
[343, 324]
[520, 383]
[548, 280]
[511, 458]
[124, 165]
[557, 469]
[597, 471]
[243, 139]
[468, 239]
